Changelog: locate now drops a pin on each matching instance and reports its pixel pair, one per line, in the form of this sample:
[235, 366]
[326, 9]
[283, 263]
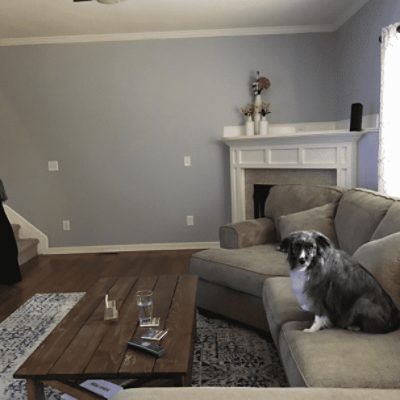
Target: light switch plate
[187, 160]
[66, 225]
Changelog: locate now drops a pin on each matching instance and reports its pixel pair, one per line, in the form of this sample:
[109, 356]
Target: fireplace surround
[329, 150]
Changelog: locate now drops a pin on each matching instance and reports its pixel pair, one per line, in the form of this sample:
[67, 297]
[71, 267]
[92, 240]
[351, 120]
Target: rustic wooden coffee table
[84, 346]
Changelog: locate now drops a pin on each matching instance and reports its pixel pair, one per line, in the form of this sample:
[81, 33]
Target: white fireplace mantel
[331, 149]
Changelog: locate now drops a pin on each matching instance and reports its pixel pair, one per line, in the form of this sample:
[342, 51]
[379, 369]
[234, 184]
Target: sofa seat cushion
[281, 305]
[358, 214]
[340, 358]
[315, 219]
[241, 269]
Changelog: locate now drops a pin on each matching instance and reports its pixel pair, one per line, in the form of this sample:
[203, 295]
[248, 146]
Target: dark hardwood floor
[77, 272]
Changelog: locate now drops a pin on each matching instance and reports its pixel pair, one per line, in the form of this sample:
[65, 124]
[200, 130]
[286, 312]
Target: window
[389, 130]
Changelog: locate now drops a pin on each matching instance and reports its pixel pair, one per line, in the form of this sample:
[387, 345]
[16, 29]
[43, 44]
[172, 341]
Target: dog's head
[303, 247]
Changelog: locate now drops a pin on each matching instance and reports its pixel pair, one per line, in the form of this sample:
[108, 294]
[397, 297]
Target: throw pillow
[315, 219]
[390, 222]
[382, 259]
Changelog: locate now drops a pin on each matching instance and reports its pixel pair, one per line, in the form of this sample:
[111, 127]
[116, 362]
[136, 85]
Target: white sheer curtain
[389, 129]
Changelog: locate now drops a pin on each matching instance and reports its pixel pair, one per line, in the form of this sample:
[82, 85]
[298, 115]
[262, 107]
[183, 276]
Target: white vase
[257, 103]
[257, 113]
[263, 126]
[249, 127]
[257, 120]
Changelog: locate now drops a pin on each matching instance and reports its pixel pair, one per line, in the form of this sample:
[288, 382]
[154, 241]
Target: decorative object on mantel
[255, 113]
[356, 117]
[248, 114]
[265, 110]
[260, 84]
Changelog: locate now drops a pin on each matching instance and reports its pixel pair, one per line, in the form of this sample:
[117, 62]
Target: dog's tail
[394, 322]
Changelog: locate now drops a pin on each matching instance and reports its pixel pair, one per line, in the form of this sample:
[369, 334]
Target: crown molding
[203, 33]
[348, 14]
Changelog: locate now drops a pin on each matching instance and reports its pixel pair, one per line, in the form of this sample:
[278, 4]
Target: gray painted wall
[119, 117]
[358, 74]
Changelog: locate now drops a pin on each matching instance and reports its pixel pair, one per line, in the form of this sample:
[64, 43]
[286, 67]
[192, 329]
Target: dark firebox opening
[260, 195]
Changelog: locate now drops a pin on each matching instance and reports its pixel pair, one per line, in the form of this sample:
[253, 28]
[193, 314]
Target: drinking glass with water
[144, 300]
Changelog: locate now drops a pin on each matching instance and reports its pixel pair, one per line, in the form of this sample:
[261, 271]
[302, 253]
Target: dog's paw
[354, 328]
[309, 330]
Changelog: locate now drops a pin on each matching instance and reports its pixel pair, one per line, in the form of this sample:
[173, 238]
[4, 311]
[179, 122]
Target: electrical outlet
[189, 220]
[187, 161]
[66, 225]
[52, 166]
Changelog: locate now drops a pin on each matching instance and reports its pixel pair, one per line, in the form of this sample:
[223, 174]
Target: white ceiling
[62, 18]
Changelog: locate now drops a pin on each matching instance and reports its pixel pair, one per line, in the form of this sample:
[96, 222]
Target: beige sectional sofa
[247, 280]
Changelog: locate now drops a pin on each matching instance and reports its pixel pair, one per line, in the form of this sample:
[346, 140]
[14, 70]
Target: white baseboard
[27, 230]
[117, 248]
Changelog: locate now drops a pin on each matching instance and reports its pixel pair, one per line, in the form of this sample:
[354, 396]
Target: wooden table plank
[180, 323]
[47, 354]
[111, 351]
[139, 363]
[81, 349]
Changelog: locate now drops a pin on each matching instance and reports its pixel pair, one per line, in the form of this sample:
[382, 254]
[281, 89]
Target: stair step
[27, 249]
[16, 228]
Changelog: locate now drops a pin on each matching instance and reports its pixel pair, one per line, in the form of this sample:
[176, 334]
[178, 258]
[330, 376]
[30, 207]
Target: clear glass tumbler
[144, 301]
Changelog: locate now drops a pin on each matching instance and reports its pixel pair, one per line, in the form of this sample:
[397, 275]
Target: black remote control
[146, 345]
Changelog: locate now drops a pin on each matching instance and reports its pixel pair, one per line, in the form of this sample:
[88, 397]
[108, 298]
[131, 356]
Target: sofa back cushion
[381, 258]
[390, 222]
[315, 219]
[358, 214]
[289, 199]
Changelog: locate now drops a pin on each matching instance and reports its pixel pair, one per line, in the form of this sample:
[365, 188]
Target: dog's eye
[297, 247]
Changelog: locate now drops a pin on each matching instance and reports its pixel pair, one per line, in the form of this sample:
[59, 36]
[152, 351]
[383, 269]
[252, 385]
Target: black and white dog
[337, 289]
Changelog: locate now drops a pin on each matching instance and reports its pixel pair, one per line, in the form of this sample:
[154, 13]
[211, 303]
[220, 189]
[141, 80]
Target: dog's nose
[302, 260]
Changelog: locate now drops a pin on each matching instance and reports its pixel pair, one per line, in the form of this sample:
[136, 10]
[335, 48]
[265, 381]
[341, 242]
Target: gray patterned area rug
[226, 353]
[23, 331]
[229, 354]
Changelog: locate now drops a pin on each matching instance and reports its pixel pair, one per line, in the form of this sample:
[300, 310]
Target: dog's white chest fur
[298, 279]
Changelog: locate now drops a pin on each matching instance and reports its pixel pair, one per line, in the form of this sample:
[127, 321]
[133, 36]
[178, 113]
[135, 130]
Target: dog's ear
[285, 243]
[323, 242]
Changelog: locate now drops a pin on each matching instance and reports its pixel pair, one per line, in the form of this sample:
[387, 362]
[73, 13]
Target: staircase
[27, 248]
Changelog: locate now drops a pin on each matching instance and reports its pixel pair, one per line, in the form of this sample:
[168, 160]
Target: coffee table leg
[35, 390]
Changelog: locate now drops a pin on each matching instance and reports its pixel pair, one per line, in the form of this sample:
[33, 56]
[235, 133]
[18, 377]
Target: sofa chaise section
[337, 357]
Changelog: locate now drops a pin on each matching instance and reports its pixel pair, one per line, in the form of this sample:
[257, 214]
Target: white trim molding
[190, 34]
[118, 248]
[27, 230]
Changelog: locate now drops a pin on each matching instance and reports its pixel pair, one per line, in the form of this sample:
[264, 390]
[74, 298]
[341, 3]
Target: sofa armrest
[247, 233]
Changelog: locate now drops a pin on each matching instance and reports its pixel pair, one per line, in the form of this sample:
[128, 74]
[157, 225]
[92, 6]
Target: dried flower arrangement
[248, 110]
[260, 84]
[265, 108]
[254, 111]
